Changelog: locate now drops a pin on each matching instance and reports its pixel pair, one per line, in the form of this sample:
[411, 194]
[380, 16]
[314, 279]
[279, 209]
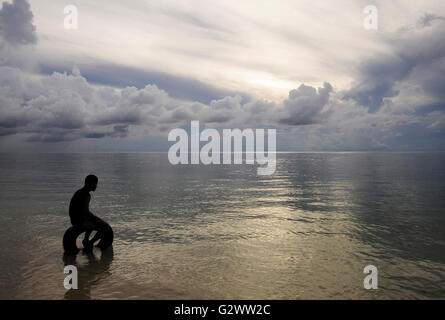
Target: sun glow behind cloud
[292, 42]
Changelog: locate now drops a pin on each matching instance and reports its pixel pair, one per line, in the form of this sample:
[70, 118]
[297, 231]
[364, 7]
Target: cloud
[66, 107]
[305, 105]
[103, 101]
[428, 18]
[178, 87]
[17, 35]
[417, 57]
[16, 26]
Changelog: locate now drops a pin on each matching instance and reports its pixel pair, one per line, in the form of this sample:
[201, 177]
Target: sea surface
[223, 232]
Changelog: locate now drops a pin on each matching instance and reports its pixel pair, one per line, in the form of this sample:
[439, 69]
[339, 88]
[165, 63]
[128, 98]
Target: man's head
[91, 182]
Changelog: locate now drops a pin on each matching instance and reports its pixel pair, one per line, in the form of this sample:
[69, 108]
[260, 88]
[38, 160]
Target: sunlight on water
[222, 232]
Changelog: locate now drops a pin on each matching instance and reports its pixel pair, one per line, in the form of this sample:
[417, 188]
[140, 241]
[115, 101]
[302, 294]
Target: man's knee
[99, 224]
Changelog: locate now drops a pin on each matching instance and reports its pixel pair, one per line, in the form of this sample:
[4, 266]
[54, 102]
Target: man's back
[79, 206]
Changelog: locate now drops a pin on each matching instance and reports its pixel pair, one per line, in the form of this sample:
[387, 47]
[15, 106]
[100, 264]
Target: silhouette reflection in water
[91, 273]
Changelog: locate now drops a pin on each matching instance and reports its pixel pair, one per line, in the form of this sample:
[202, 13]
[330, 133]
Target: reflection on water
[223, 232]
[90, 272]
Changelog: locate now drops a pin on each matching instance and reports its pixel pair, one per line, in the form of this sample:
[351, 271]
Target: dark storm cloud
[414, 50]
[16, 23]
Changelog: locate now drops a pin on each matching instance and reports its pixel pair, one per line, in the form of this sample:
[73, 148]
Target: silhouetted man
[81, 216]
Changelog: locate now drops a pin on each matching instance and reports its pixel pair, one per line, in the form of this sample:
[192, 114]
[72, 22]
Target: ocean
[224, 232]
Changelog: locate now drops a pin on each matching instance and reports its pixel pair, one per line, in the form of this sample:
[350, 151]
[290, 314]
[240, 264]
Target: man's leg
[96, 237]
[100, 226]
[87, 235]
[89, 228]
[86, 243]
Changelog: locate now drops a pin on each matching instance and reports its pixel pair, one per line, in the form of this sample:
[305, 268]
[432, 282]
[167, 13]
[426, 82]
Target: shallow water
[222, 232]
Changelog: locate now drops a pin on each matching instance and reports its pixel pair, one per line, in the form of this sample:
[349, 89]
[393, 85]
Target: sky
[133, 71]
